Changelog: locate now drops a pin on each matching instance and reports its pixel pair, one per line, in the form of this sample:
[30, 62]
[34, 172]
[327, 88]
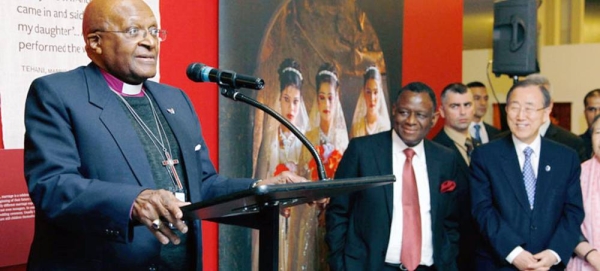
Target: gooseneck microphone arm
[237, 96]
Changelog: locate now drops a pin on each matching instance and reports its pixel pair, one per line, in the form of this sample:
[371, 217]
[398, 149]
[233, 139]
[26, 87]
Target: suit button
[107, 232]
[533, 227]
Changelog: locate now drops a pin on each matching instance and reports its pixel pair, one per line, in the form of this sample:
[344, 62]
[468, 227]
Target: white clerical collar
[121, 87]
[132, 89]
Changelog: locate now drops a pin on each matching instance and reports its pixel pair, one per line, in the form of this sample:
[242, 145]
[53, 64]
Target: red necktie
[411, 222]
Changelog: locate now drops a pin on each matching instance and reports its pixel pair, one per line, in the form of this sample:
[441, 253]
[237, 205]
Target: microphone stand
[235, 95]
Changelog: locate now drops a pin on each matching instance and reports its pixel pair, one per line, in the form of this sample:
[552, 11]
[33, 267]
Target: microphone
[199, 72]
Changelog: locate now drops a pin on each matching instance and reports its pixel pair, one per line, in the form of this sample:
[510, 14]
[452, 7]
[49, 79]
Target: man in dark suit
[561, 135]
[554, 132]
[110, 156]
[591, 104]
[457, 111]
[525, 190]
[478, 129]
[411, 224]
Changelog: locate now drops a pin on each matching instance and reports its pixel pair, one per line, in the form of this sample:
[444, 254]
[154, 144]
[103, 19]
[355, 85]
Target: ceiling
[478, 22]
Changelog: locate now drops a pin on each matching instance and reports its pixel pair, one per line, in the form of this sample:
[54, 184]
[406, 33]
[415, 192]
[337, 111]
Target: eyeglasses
[516, 109]
[134, 32]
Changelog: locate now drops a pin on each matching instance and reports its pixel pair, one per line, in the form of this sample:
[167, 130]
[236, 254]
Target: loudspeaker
[515, 37]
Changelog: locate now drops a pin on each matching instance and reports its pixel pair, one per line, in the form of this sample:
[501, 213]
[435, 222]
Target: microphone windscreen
[194, 72]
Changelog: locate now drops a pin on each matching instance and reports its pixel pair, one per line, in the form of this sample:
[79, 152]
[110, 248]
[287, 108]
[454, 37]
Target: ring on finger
[156, 224]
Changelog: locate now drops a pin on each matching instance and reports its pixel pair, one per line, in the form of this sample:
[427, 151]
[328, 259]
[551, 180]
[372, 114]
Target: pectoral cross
[170, 164]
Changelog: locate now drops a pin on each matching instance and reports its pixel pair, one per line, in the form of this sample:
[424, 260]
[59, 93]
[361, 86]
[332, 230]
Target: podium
[258, 208]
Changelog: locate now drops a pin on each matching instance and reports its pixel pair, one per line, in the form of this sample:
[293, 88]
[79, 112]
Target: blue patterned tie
[529, 176]
[477, 133]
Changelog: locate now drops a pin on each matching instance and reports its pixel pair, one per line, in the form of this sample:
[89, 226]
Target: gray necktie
[529, 176]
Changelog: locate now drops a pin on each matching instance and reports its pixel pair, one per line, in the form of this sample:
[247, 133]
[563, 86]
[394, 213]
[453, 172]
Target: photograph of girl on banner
[371, 114]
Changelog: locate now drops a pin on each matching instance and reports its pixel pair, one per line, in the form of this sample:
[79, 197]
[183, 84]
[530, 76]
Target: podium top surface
[284, 195]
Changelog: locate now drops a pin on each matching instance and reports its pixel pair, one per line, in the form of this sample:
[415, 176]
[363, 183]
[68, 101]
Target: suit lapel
[512, 170]
[383, 157]
[116, 122]
[544, 176]
[433, 173]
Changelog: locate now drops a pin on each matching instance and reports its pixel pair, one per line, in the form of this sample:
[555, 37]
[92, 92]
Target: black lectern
[258, 208]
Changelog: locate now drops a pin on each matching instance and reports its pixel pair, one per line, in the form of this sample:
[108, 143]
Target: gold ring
[156, 224]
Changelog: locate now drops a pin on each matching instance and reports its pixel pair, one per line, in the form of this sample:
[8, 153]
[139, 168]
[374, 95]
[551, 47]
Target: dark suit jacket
[358, 224]
[501, 208]
[491, 131]
[85, 165]
[587, 142]
[565, 137]
[468, 232]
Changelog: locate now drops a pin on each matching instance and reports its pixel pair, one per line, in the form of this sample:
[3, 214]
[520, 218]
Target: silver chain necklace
[158, 142]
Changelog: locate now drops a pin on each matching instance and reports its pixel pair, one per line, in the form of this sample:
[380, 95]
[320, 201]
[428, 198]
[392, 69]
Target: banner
[39, 37]
[325, 68]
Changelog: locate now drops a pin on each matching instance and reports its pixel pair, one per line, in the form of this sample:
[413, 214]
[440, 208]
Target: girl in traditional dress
[328, 127]
[280, 149]
[330, 137]
[371, 114]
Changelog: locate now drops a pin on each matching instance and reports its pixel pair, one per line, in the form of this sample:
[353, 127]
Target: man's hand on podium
[160, 211]
[283, 178]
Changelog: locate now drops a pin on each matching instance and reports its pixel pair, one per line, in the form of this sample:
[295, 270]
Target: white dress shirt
[520, 146]
[420, 167]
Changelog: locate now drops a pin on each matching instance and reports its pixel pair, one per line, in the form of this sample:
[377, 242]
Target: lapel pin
[548, 168]
[171, 110]
[197, 148]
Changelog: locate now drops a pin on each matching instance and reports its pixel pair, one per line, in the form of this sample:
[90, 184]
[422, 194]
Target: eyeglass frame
[138, 30]
[529, 111]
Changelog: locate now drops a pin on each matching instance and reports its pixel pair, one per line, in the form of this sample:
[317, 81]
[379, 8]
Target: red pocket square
[447, 186]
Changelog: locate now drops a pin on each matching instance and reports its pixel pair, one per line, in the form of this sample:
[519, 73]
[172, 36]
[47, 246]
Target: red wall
[193, 36]
[432, 45]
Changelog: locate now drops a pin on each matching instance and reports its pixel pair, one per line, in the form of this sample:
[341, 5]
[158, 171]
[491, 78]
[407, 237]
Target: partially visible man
[458, 112]
[554, 132]
[110, 157]
[478, 129]
[413, 223]
[525, 190]
[591, 104]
